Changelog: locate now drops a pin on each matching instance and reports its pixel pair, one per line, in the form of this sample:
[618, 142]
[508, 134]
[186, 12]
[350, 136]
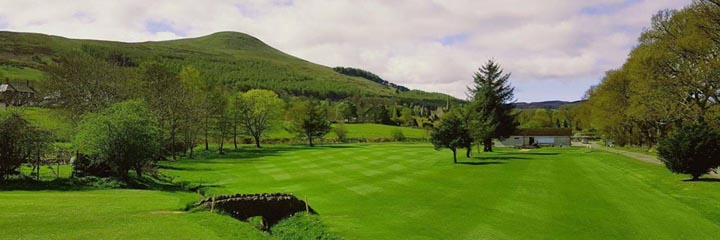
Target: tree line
[128, 118]
[667, 93]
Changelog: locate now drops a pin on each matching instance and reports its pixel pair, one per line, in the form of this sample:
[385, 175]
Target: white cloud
[553, 41]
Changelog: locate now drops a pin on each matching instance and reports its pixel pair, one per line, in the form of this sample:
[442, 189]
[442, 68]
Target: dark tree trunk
[257, 141]
[695, 177]
[469, 151]
[311, 141]
[172, 144]
[488, 145]
[235, 137]
[454, 155]
[220, 149]
[207, 146]
[192, 150]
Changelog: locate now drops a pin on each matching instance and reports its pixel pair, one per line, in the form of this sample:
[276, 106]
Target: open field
[362, 130]
[396, 191]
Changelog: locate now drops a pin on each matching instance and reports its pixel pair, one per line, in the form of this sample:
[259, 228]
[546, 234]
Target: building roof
[16, 87]
[543, 132]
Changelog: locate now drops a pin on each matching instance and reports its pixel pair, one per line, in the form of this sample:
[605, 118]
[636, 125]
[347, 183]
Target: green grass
[112, 214]
[395, 191]
[20, 73]
[409, 191]
[362, 130]
[51, 120]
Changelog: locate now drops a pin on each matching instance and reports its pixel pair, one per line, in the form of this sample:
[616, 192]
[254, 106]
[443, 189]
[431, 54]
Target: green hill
[238, 60]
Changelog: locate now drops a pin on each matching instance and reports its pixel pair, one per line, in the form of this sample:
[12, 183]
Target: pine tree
[492, 103]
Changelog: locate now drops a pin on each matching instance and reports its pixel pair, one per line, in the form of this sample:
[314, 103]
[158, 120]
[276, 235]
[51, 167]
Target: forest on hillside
[234, 60]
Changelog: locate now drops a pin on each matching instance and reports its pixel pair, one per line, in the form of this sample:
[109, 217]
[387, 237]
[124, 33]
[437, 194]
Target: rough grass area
[15, 73]
[362, 130]
[393, 191]
[302, 227]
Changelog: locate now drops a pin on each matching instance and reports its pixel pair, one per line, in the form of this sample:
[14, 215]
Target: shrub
[121, 137]
[693, 150]
[398, 135]
[341, 132]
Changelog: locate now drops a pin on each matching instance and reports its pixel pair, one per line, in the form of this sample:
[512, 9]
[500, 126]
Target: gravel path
[638, 156]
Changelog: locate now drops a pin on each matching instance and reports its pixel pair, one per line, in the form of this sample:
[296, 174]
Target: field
[363, 130]
[395, 191]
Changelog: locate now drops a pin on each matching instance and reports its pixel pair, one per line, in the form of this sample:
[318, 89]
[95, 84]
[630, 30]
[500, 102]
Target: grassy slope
[20, 73]
[362, 130]
[398, 191]
[237, 59]
[112, 214]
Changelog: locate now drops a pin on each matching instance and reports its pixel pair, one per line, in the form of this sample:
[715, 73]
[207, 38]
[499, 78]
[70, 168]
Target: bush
[341, 132]
[122, 137]
[693, 150]
[397, 135]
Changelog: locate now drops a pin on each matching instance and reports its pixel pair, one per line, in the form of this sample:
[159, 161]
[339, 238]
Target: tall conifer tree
[492, 104]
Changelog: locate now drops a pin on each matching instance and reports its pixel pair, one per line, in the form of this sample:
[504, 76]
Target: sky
[555, 49]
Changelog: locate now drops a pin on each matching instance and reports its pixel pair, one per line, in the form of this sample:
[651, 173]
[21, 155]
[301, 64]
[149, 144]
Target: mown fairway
[395, 191]
[401, 191]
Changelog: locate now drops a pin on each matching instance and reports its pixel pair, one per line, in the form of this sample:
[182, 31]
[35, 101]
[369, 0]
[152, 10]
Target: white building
[556, 137]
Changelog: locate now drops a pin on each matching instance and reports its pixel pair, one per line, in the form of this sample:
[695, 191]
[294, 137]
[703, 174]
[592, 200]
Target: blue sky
[555, 49]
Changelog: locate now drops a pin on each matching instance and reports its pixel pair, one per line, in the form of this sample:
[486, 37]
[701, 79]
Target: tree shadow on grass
[499, 158]
[480, 163]
[703, 180]
[165, 166]
[535, 153]
[253, 152]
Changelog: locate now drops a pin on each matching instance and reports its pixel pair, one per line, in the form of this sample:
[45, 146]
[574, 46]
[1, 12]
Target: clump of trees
[21, 142]
[123, 137]
[355, 72]
[488, 116]
[452, 133]
[15, 143]
[309, 120]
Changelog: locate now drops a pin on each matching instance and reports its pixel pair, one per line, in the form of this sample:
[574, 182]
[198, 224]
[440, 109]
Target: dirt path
[638, 156]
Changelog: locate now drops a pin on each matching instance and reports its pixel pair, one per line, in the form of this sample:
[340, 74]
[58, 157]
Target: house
[16, 94]
[539, 137]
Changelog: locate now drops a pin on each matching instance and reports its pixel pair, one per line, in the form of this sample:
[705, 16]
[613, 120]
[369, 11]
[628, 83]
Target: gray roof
[16, 87]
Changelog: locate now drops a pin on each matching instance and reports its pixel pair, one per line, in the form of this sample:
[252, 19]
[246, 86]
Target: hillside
[238, 60]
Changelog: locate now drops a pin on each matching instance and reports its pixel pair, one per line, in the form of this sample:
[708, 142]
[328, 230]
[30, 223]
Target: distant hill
[545, 104]
[238, 60]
